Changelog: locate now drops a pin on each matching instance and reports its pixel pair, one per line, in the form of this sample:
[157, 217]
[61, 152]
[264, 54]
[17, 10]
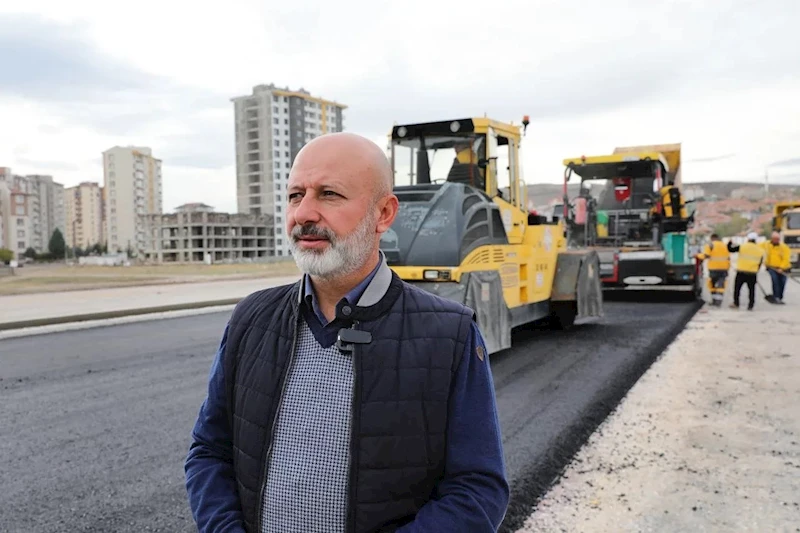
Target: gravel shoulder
[707, 440]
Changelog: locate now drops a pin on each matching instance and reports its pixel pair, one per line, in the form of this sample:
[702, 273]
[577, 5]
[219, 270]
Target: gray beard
[344, 255]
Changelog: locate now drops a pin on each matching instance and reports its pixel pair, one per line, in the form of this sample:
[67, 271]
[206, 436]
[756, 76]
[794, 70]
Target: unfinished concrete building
[196, 234]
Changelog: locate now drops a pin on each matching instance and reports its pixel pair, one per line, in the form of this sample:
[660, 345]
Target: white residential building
[132, 183]
[272, 125]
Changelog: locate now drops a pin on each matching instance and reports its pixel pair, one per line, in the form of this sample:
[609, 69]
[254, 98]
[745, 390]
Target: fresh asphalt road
[95, 423]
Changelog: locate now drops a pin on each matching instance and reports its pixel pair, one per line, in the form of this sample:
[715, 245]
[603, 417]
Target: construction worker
[778, 264]
[719, 262]
[751, 256]
[465, 165]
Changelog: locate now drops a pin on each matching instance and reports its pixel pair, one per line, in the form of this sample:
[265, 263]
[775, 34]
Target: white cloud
[720, 77]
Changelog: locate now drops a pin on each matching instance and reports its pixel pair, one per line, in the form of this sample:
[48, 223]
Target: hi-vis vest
[750, 257]
[719, 258]
[778, 255]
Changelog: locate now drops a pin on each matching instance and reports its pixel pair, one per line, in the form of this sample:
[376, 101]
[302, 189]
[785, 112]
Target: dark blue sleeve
[210, 482]
[473, 494]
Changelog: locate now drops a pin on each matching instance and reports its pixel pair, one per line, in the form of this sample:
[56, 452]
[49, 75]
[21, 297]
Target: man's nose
[306, 211]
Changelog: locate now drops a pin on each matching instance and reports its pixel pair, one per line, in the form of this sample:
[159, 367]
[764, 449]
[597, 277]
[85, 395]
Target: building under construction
[196, 234]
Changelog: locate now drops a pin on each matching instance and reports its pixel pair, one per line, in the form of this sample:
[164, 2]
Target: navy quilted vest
[402, 385]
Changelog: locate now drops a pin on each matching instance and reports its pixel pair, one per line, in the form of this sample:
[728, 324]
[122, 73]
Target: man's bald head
[776, 237]
[351, 156]
[340, 201]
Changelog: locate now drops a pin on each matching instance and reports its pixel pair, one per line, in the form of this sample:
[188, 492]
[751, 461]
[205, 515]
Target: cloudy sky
[720, 76]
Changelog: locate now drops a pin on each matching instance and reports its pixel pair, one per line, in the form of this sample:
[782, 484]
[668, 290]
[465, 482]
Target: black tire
[562, 315]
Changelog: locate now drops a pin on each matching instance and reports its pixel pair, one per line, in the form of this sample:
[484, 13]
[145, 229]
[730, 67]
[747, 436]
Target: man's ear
[388, 212]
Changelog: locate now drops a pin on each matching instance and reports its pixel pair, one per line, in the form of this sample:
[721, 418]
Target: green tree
[30, 253]
[57, 245]
[6, 255]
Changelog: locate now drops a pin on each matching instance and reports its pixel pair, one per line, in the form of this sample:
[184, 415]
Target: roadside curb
[119, 313]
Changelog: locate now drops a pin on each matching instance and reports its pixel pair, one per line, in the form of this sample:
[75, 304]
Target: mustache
[312, 230]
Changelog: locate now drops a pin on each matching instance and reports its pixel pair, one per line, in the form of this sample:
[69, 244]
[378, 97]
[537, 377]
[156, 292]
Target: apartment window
[286, 121]
[20, 210]
[278, 185]
[20, 244]
[20, 221]
[288, 165]
[19, 199]
[275, 108]
[276, 120]
[286, 132]
[286, 143]
[277, 153]
[277, 142]
[21, 233]
[276, 131]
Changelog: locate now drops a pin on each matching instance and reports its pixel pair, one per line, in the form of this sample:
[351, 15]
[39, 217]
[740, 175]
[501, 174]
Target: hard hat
[752, 236]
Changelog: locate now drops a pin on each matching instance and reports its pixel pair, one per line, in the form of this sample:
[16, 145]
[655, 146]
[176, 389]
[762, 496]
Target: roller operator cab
[630, 210]
[463, 230]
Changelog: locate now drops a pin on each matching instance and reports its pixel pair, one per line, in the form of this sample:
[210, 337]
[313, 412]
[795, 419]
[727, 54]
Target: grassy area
[49, 278]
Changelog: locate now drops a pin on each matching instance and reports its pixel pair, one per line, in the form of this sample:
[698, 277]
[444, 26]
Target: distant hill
[543, 193]
[723, 189]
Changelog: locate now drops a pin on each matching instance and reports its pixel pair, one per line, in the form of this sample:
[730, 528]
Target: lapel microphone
[347, 337]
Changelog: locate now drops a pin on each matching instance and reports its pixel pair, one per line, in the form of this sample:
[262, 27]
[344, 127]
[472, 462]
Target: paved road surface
[94, 424]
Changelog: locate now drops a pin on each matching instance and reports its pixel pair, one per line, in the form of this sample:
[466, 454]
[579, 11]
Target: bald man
[349, 401]
[778, 263]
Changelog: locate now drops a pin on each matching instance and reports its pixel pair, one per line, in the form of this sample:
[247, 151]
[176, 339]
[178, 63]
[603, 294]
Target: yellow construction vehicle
[786, 220]
[463, 230]
[635, 218]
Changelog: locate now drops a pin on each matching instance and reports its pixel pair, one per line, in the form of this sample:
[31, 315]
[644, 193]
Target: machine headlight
[401, 131]
[455, 126]
[432, 275]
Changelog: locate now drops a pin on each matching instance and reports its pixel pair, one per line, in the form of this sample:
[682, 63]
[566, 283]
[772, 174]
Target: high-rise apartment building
[46, 210]
[84, 207]
[34, 209]
[132, 180]
[272, 125]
